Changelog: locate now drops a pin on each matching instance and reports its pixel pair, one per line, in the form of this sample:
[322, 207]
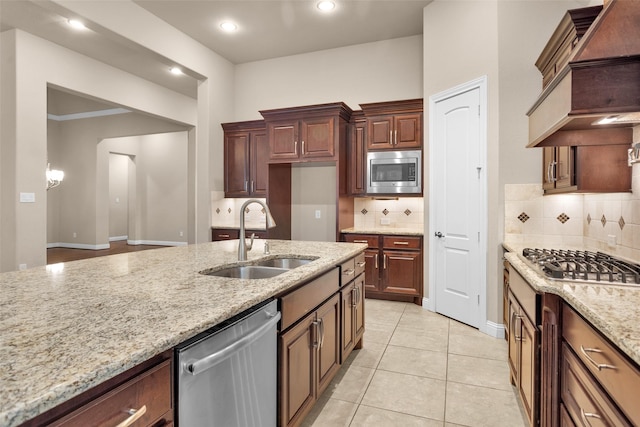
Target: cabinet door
[259, 164]
[372, 270]
[380, 133]
[348, 299]
[548, 163]
[401, 272]
[358, 322]
[358, 159]
[297, 372]
[328, 318]
[563, 167]
[407, 132]
[236, 164]
[317, 138]
[514, 337]
[283, 140]
[527, 371]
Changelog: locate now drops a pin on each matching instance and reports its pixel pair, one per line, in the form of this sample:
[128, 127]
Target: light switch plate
[27, 197]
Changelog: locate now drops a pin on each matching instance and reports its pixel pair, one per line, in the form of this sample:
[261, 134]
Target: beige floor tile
[478, 346]
[381, 315]
[478, 371]
[423, 339]
[459, 328]
[408, 394]
[367, 416]
[377, 332]
[413, 361]
[368, 356]
[380, 304]
[474, 406]
[350, 383]
[330, 412]
[432, 322]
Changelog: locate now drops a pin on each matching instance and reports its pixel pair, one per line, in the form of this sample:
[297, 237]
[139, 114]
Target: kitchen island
[68, 328]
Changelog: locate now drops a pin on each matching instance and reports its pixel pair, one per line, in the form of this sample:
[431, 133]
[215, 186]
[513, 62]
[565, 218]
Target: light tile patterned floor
[418, 368]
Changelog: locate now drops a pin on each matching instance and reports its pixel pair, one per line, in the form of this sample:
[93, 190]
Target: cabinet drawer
[224, 234]
[150, 390]
[303, 300]
[360, 264]
[585, 401]
[372, 241]
[619, 377]
[401, 242]
[347, 271]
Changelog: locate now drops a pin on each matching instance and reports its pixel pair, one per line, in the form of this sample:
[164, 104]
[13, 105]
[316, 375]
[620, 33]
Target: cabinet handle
[321, 325]
[598, 366]
[549, 172]
[252, 189]
[362, 263]
[295, 148]
[245, 185]
[316, 326]
[361, 241]
[303, 147]
[401, 243]
[376, 261]
[354, 297]
[135, 415]
[224, 236]
[513, 326]
[584, 416]
[554, 178]
[395, 137]
[391, 137]
[349, 272]
[384, 261]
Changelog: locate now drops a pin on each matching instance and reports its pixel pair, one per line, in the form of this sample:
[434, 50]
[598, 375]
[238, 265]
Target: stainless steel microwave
[394, 172]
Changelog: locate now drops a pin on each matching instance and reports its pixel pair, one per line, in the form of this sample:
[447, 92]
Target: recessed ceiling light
[176, 70]
[228, 26]
[326, 5]
[78, 25]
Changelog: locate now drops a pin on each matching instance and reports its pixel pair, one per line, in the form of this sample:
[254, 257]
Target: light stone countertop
[399, 231]
[69, 329]
[613, 309]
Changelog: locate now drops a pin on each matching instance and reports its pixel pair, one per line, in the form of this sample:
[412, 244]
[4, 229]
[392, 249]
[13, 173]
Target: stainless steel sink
[246, 272]
[288, 263]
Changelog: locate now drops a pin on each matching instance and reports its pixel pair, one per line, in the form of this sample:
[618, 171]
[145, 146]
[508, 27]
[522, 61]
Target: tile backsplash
[226, 212]
[608, 222]
[403, 212]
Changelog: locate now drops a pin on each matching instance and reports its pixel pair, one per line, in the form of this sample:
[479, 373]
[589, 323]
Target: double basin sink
[261, 269]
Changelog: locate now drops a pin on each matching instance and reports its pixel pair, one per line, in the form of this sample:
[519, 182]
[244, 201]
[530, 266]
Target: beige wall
[313, 188]
[118, 196]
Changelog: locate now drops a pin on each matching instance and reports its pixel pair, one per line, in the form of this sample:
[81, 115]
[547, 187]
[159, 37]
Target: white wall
[371, 72]
[313, 189]
[118, 196]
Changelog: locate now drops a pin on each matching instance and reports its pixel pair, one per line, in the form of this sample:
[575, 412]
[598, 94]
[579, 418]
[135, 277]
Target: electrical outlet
[181, 234]
[611, 240]
[22, 267]
[75, 234]
[385, 221]
[318, 214]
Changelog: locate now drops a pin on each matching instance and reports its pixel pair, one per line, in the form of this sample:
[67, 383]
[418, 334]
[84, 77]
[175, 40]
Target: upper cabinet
[357, 154]
[310, 133]
[245, 149]
[394, 125]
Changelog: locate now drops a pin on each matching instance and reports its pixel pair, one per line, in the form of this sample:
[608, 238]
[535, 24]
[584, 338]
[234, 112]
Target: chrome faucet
[242, 245]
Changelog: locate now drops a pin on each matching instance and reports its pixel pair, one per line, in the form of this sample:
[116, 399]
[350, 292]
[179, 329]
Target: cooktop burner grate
[587, 266]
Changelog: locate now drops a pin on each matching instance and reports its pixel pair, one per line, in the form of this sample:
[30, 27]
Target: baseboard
[118, 238]
[495, 330]
[155, 243]
[77, 246]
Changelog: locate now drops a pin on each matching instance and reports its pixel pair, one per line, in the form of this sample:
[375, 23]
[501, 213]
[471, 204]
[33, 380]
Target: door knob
[439, 235]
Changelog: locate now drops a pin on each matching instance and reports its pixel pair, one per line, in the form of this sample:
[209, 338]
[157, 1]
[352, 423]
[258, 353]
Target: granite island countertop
[612, 309]
[69, 327]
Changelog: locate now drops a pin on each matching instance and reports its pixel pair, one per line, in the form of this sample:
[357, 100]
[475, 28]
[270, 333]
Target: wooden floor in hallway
[56, 255]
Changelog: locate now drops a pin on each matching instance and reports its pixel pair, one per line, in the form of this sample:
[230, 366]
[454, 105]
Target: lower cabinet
[394, 266]
[309, 357]
[218, 234]
[352, 307]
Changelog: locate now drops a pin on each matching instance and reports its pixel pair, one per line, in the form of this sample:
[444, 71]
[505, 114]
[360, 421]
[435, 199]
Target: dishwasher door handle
[213, 359]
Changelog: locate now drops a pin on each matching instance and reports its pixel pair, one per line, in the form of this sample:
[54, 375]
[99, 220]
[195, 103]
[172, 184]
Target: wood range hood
[601, 80]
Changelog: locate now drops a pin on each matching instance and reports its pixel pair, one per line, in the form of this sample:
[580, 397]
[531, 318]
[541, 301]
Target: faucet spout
[242, 245]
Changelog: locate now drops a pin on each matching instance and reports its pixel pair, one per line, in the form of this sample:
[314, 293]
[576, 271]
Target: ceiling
[266, 29]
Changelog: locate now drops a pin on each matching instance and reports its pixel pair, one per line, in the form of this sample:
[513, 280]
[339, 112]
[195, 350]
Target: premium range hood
[595, 98]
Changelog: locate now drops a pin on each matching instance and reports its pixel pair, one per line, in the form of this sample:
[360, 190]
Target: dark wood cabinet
[352, 305]
[550, 346]
[357, 155]
[395, 125]
[246, 150]
[524, 347]
[393, 266]
[310, 133]
[309, 359]
[218, 234]
[586, 168]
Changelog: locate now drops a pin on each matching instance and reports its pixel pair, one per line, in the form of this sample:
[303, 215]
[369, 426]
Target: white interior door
[457, 192]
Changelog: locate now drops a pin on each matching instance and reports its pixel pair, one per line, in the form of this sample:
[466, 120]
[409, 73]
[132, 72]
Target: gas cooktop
[583, 266]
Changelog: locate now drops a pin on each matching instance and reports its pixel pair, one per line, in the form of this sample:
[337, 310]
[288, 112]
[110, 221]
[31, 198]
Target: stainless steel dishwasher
[226, 376]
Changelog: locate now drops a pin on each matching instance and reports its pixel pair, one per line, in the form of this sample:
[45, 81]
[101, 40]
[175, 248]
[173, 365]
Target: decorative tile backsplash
[226, 212]
[403, 212]
[608, 222]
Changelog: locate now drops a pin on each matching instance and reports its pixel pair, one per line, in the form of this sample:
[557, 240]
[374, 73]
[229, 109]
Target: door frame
[481, 84]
